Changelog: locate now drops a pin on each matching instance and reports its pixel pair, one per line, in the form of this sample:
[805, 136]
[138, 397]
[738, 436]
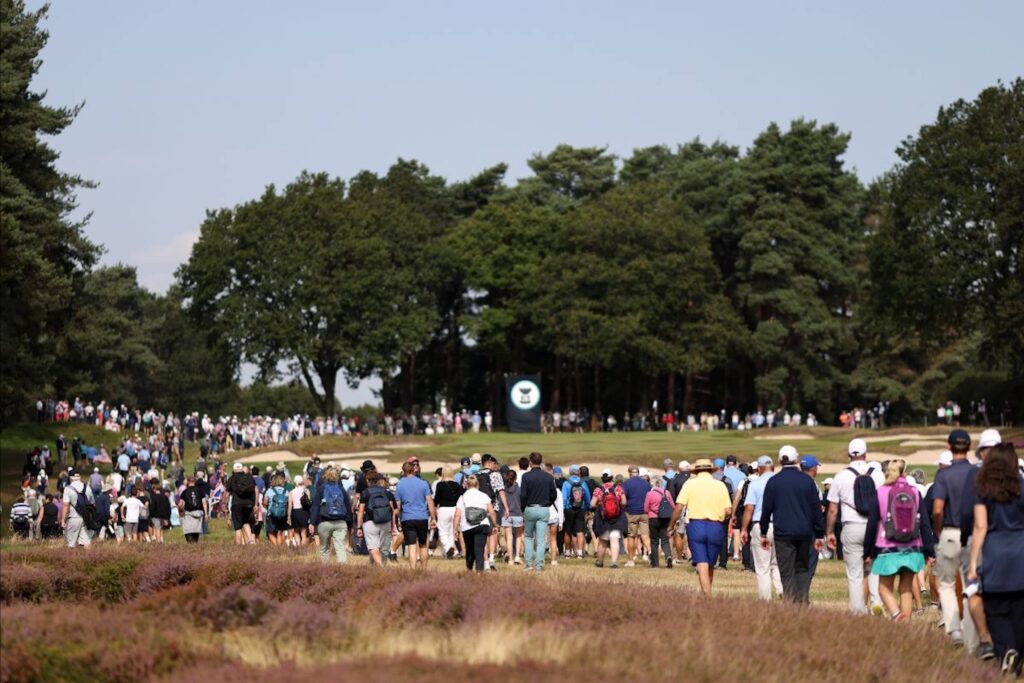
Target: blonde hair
[894, 469]
[331, 475]
[449, 471]
[471, 482]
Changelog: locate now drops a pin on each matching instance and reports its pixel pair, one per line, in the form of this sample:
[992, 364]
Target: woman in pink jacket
[658, 505]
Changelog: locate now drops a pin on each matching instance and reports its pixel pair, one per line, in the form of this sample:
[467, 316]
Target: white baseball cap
[644, 472]
[606, 472]
[684, 465]
[989, 438]
[827, 481]
[788, 455]
[945, 458]
[237, 467]
[857, 448]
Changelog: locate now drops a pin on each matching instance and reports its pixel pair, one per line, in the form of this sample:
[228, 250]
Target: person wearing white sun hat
[842, 506]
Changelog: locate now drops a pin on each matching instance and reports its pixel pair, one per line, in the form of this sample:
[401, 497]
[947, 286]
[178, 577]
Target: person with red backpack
[899, 538]
[658, 505]
[609, 504]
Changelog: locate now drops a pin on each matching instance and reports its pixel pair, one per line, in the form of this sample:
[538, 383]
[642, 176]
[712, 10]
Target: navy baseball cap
[465, 462]
[808, 462]
[960, 438]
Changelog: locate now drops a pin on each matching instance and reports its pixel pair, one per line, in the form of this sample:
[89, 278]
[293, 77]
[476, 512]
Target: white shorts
[611, 534]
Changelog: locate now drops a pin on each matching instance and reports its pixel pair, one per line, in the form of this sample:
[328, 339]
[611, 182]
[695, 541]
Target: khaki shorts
[637, 526]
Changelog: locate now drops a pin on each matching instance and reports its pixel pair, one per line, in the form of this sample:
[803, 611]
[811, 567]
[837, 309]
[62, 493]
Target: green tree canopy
[45, 254]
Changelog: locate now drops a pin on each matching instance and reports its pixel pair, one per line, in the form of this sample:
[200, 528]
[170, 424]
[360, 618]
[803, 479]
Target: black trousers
[727, 549]
[476, 544]
[659, 536]
[192, 538]
[1005, 615]
[794, 557]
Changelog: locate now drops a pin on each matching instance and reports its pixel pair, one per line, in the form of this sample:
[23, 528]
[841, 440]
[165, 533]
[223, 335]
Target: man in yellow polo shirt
[707, 506]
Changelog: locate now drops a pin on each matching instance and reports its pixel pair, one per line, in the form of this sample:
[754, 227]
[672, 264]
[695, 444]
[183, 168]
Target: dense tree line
[700, 276]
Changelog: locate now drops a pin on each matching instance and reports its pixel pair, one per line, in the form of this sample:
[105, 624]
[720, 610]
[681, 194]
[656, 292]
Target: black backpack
[87, 510]
[865, 495]
[484, 479]
[246, 486]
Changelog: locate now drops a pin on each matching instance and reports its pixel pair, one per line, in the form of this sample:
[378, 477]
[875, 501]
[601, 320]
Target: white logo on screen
[525, 395]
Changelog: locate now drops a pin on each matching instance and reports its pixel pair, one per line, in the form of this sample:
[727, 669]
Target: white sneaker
[957, 638]
[554, 563]
[630, 564]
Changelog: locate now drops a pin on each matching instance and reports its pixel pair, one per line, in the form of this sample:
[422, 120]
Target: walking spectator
[997, 552]
[512, 524]
[375, 518]
[241, 488]
[609, 502]
[792, 505]
[556, 518]
[899, 537]
[658, 506]
[705, 501]
[298, 510]
[493, 484]
[194, 509]
[985, 649]
[766, 564]
[446, 497]
[417, 513]
[49, 520]
[275, 504]
[850, 499]
[536, 495]
[474, 516]
[330, 515]
[945, 494]
[76, 498]
[576, 503]
[132, 508]
[159, 511]
[638, 538]
[21, 518]
[678, 530]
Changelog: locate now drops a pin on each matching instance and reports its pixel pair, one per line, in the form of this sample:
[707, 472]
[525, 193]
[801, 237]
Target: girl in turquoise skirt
[898, 539]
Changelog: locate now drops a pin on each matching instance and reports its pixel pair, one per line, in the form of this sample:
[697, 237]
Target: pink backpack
[902, 520]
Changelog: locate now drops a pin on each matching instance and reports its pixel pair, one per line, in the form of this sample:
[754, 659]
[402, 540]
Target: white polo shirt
[842, 490]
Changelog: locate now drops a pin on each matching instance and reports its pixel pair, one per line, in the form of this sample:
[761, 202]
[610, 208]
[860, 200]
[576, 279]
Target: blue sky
[197, 105]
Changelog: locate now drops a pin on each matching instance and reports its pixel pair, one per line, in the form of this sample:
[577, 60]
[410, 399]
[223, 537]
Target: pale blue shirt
[755, 494]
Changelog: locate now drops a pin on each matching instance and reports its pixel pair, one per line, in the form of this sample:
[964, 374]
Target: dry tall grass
[217, 613]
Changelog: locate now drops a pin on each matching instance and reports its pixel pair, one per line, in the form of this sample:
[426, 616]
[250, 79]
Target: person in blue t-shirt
[639, 534]
[416, 514]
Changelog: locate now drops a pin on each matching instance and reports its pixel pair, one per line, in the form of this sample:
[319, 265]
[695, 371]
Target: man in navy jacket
[792, 505]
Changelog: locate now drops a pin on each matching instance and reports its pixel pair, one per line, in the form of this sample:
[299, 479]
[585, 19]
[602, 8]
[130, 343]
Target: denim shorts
[512, 522]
